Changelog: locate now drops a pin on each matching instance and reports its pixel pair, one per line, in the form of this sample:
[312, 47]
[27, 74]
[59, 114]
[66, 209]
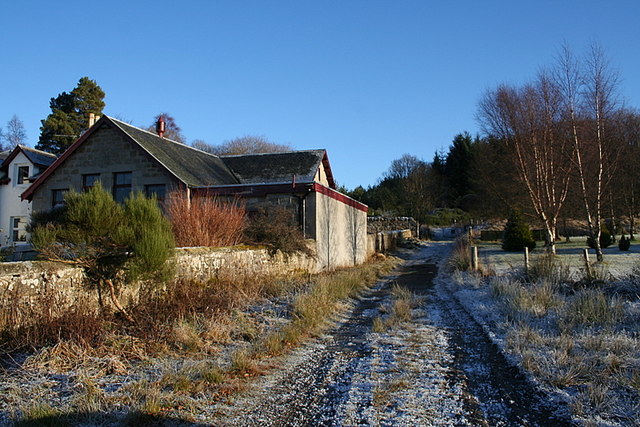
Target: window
[57, 197]
[23, 175]
[157, 190]
[89, 180]
[18, 229]
[121, 186]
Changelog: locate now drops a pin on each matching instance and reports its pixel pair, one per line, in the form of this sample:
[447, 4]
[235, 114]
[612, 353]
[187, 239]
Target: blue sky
[367, 80]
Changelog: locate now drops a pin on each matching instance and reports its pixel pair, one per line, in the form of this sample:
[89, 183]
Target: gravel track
[437, 369]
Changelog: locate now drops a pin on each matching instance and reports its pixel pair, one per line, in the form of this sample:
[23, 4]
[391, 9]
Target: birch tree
[588, 91]
[527, 120]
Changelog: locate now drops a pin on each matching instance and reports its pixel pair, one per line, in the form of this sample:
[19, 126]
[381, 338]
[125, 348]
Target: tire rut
[315, 389]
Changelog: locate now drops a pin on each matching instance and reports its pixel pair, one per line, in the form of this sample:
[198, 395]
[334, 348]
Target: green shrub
[605, 240]
[624, 244]
[114, 244]
[517, 234]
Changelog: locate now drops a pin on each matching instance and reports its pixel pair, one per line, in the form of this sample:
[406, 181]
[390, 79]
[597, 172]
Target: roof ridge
[46, 153]
[157, 136]
[274, 153]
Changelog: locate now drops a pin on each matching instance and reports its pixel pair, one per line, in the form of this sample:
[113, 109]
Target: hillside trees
[627, 181]
[457, 169]
[248, 144]
[69, 116]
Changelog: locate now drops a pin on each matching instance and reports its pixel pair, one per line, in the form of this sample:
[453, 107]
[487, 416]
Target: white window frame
[20, 229]
[17, 174]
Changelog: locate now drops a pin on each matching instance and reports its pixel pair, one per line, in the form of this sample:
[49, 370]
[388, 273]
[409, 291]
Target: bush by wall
[205, 221]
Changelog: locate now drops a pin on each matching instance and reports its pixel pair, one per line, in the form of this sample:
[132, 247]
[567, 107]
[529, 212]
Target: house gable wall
[106, 152]
[340, 232]
[321, 176]
[10, 203]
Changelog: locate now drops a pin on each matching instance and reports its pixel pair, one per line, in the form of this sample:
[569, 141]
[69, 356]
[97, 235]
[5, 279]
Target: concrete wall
[10, 203]
[340, 231]
[105, 152]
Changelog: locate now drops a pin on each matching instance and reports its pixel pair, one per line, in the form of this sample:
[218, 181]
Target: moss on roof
[191, 166]
[275, 167]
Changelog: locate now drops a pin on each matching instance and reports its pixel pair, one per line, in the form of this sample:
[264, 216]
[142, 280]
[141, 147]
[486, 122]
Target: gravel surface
[439, 368]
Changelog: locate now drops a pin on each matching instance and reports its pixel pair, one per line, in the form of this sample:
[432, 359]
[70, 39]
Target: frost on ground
[578, 340]
[375, 366]
[437, 368]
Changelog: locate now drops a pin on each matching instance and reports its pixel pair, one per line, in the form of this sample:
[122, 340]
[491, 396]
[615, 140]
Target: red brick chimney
[160, 127]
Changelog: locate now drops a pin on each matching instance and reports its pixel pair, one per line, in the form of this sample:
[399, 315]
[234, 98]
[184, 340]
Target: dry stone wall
[22, 284]
[377, 224]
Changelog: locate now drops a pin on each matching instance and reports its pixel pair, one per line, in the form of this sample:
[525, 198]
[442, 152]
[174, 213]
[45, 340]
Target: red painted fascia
[336, 195]
[256, 190]
[327, 170]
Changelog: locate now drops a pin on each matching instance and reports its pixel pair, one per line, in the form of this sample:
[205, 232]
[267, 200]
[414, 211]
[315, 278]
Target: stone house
[125, 158]
[18, 168]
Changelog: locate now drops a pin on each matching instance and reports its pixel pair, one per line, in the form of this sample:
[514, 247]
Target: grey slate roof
[193, 167]
[4, 155]
[275, 167]
[37, 157]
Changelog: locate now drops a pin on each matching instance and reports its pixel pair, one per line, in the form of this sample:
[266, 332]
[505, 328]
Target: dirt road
[437, 369]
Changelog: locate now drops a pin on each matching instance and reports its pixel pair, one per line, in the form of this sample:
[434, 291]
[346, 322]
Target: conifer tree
[69, 116]
[517, 234]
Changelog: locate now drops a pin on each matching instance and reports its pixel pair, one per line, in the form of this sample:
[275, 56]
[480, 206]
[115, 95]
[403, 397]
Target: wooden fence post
[587, 264]
[474, 258]
[526, 260]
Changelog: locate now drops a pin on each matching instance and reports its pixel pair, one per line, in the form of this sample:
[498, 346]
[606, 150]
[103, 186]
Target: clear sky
[367, 80]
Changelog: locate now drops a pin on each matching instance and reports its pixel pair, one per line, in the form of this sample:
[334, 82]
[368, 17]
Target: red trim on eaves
[257, 190]
[60, 160]
[329, 192]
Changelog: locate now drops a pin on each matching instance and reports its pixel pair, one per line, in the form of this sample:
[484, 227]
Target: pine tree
[517, 234]
[70, 116]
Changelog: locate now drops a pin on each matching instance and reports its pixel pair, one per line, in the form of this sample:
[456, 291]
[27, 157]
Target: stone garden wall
[23, 283]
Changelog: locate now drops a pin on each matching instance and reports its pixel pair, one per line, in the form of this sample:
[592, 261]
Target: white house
[18, 169]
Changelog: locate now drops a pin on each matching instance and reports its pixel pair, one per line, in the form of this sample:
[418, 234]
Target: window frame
[19, 230]
[116, 186]
[60, 202]
[22, 179]
[149, 192]
[86, 187]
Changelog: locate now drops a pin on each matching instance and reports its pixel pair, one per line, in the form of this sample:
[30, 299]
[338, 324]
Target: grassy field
[578, 336]
[618, 263]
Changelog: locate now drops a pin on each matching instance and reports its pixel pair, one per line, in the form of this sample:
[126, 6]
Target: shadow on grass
[131, 419]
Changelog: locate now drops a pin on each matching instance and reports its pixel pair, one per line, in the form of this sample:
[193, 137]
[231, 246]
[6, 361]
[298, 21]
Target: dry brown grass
[174, 349]
[205, 220]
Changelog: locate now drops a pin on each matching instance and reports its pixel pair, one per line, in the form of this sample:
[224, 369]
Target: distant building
[18, 169]
[125, 158]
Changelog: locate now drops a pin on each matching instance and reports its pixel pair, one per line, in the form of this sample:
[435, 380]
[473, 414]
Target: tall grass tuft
[206, 220]
[460, 258]
[549, 268]
[592, 307]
